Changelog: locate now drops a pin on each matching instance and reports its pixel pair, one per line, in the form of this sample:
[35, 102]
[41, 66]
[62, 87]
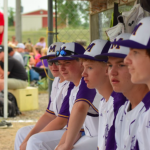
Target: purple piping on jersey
[118, 101]
[94, 108]
[125, 108]
[130, 125]
[89, 132]
[51, 112]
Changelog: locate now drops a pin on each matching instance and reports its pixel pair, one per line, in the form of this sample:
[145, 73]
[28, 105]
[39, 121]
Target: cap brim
[105, 56]
[62, 58]
[47, 56]
[131, 44]
[87, 57]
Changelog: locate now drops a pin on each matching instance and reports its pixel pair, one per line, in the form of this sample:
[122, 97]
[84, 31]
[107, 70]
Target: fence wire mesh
[72, 21]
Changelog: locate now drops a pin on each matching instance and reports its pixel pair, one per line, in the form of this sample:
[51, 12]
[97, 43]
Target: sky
[28, 5]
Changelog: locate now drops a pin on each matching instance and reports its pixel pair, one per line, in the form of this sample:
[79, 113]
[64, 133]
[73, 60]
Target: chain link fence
[70, 22]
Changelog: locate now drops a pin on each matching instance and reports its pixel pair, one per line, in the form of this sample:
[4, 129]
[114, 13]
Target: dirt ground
[7, 136]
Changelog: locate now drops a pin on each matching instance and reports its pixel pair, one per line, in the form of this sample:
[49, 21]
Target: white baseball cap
[67, 50]
[20, 45]
[140, 37]
[96, 47]
[52, 50]
[116, 50]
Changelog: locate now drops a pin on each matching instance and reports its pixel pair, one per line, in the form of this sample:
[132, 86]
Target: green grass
[64, 35]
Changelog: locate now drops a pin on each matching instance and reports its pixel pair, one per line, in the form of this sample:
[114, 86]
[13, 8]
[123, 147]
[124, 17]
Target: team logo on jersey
[148, 124]
[115, 45]
[52, 48]
[136, 28]
[106, 134]
[132, 143]
[89, 48]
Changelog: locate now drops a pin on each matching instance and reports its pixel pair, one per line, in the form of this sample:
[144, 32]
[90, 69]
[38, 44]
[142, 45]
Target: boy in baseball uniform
[57, 112]
[138, 60]
[96, 76]
[126, 123]
[83, 102]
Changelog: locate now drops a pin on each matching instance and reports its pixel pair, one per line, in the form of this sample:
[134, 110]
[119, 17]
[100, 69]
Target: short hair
[90, 60]
[41, 39]
[148, 52]
[29, 47]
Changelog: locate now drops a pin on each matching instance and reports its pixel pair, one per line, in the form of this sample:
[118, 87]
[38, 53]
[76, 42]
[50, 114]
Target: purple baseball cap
[97, 47]
[116, 50]
[140, 37]
[69, 49]
[51, 52]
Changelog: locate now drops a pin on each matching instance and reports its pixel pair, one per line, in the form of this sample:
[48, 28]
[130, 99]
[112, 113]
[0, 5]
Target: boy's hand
[23, 146]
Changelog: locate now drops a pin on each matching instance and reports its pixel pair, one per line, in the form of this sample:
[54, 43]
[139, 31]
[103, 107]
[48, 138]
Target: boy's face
[139, 65]
[70, 69]
[94, 73]
[119, 76]
[54, 70]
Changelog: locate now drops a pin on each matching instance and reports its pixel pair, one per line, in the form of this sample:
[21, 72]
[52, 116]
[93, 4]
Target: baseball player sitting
[95, 76]
[126, 123]
[56, 115]
[83, 102]
[138, 61]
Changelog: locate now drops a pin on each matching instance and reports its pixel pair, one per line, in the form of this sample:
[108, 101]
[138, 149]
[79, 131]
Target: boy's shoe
[9, 124]
[3, 125]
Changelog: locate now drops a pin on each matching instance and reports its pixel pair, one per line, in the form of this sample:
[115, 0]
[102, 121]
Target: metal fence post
[50, 36]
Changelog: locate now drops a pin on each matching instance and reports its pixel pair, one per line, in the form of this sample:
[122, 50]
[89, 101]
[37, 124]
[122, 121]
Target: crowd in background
[23, 51]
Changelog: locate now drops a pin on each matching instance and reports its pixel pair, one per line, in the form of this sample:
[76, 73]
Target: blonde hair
[29, 47]
[44, 51]
[11, 45]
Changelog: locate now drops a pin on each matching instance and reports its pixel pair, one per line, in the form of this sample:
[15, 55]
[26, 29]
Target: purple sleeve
[39, 64]
[64, 111]
[85, 94]
[49, 108]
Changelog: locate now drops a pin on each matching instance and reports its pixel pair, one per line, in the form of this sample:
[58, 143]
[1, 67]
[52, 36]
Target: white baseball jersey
[59, 99]
[107, 115]
[143, 132]
[127, 124]
[92, 97]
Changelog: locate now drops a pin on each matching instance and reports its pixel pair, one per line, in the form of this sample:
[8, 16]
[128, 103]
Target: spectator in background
[41, 42]
[1, 27]
[15, 54]
[29, 49]
[37, 54]
[17, 75]
[20, 48]
[13, 41]
[40, 64]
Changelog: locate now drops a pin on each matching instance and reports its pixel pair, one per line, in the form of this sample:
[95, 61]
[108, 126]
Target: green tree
[11, 16]
[71, 12]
